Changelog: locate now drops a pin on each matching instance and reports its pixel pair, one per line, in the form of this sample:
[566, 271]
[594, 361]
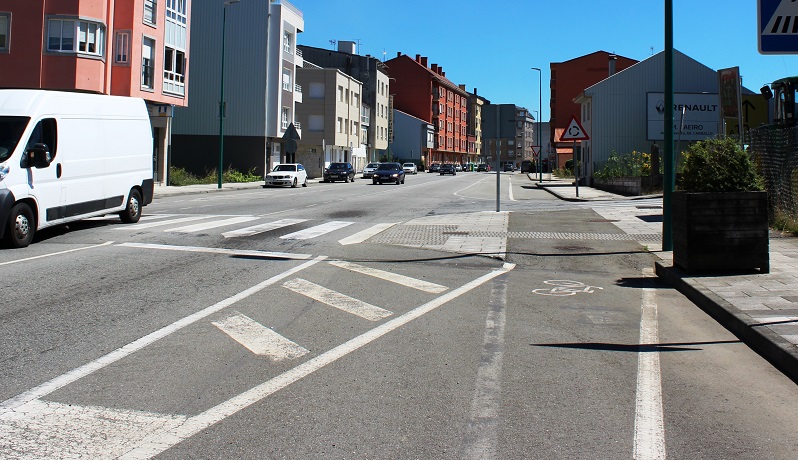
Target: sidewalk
[760, 309]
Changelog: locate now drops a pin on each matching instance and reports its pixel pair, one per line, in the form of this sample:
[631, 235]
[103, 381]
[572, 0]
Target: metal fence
[775, 152]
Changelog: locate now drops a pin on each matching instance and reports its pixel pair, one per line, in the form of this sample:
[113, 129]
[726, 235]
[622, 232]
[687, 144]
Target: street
[351, 320]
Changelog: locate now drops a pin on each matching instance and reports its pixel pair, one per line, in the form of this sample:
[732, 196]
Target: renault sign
[698, 113]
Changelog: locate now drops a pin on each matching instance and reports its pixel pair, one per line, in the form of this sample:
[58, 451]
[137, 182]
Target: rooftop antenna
[358, 45]
[652, 50]
[383, 55]
[332, 43]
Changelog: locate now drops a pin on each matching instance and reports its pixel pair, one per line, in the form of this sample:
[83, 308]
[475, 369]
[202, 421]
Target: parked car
[339, 171]
[368, 171]
[434, 167]
[448, 168]
[483, 167]
[389, 172]
[509, 167]
[458, 167]
[283, 174]
[527, 166]
[410, 168]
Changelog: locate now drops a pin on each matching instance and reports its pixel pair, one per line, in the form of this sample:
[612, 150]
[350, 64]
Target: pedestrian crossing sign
[574, 131]
[777, 26]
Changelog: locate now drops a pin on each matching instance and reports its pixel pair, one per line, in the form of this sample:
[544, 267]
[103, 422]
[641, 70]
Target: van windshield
[11, 129]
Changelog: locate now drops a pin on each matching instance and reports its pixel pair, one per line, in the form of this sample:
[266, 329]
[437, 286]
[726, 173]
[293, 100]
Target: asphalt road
[327, 322]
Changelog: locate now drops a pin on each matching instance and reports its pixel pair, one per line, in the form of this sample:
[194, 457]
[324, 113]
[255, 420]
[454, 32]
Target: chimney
[424, 61]
[462, 87]
[418, 58]
[475, 91]
[435, 68]
[612, 59]
[398, 54]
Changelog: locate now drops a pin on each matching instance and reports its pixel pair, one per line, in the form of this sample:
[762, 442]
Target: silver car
[368, 171]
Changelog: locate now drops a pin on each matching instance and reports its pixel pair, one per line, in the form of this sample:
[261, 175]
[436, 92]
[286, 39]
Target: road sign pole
[576, 169]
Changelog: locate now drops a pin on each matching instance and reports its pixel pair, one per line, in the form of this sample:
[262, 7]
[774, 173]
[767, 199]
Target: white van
[67, 156]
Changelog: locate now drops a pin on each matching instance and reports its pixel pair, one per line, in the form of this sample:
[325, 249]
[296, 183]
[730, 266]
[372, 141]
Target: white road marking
[366, 234]
[421, 285]
[61, 381]
[481, 437]
[231, 252]
[158, 443]
[55, 253]
[254, 230]
[649, 440]
[212, 224]
[162, 222]
[318, 230]
[259, 339]
[336, 299]
[510, 188]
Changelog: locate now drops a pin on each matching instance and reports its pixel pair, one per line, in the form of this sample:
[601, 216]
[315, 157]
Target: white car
[283, 174]
[368, 171]
[410, 168]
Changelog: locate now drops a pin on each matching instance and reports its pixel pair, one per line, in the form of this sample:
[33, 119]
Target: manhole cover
[572, 248]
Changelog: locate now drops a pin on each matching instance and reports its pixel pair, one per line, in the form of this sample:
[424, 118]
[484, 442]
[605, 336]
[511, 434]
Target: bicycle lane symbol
[565, 288]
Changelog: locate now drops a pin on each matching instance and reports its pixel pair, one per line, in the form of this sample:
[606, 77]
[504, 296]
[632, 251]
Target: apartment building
[134, 48]
[371, 73]
[331, 118]
[424, 92]
[257, 79]
[475, 142]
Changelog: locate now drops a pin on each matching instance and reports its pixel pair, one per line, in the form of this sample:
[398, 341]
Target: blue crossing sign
[777, 26]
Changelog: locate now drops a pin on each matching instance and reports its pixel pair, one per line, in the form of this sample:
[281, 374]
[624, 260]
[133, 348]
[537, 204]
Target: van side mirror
[37, 156]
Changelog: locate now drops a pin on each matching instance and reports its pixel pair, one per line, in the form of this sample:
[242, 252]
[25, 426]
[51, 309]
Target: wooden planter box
[720, 231]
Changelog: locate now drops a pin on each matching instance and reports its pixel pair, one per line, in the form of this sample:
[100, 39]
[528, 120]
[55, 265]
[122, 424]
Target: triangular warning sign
[574, 132]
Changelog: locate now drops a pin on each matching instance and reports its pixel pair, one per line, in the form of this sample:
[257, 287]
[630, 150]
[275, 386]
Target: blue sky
[515, 35]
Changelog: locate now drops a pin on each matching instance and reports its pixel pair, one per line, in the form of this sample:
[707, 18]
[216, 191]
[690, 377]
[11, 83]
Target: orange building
[568, 80]
[425, 93]
[135, 48]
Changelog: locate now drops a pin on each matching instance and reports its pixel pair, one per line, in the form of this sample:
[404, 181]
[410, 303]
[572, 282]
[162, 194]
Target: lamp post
[540, 151]
[540, 111]
[221, 95]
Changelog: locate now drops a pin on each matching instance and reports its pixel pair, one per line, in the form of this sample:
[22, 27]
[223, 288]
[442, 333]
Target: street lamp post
[221, 95]
[540, 111]
[540, 151]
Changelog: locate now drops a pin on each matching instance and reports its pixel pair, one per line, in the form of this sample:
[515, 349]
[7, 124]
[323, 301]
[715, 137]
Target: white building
[621, 113]
[260, 91]
[333, 129]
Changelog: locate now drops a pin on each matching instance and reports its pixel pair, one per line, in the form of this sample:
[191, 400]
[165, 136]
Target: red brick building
[425, 93]
[568, 80]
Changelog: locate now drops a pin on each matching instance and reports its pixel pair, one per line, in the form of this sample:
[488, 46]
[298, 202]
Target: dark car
[388, 172]
[527, 166]
[434, 167]
[483, 167]
[509, 167]
[339, 171]
[448, 168]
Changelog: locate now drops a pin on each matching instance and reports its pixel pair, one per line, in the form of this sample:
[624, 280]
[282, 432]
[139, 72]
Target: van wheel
[21, 226]
[132, 212]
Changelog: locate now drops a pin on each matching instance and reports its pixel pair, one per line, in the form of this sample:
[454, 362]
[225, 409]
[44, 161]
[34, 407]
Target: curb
[771, 346]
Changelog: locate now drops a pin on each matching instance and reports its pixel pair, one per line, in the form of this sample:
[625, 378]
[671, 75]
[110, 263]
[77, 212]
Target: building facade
[568, 80]
[412, 137]
[475, 105]
[508, 134]
[371, 73]
[331, 119]
[260, 90]
[425, 93]
[134, 48]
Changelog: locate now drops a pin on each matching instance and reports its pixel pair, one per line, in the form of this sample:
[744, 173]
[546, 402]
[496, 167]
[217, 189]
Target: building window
[122, 54]
[147, 63]
[285, 117]
[340, 94]
[316, 123]
[286, 80]
[364, 133]
[287, 42]
[340, 125]
[62, 32]
[316, 90]
[5, 28]
[365, 115]
[150, 11]
[174, 73]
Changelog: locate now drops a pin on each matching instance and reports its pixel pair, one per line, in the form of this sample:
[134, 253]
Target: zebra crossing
[192, 224]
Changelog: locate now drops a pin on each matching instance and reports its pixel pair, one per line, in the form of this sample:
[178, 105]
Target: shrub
[635, 164]
[180, 177]
[718, 165]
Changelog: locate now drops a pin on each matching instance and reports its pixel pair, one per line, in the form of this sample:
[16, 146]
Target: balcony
[297, 94]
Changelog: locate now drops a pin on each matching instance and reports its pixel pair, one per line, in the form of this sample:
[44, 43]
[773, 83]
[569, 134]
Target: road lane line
[510, 188]
[158, 443]
[132, 347]
[365, 234]
[481, 438]
[649, 440]
[213, 224]
[421, 285]
[267, 227]
[318, 230]
[27, 259]
[337, 300]
[259, 339]
[230, 252]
